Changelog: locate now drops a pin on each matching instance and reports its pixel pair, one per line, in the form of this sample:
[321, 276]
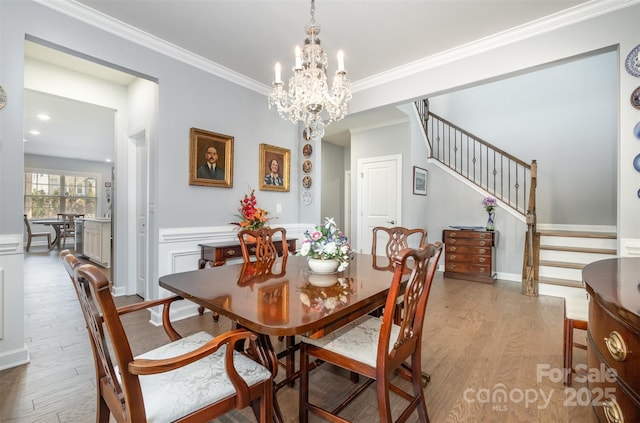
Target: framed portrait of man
[210, 159]
[274, 168]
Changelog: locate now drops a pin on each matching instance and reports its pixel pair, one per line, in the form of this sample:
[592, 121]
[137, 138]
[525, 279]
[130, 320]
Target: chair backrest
[96, 302]
[265, 247]
[398, 239]
[420, 265]
[253, 272]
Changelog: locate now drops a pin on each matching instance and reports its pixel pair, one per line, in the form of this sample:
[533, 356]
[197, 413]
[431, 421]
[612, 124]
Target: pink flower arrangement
[489, 204]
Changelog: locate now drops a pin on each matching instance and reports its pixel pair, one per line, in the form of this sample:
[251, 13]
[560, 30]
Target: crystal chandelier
[308, 94]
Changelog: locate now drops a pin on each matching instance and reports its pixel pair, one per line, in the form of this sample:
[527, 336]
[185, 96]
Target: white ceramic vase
[323, 266]
[323, 280]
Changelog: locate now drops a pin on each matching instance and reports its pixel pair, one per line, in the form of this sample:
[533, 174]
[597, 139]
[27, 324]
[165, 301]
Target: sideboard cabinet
[613, 335]
[470, 255]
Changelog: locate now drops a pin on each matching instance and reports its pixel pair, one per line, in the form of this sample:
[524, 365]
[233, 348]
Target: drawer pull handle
[482, 260]
[612, 411]
[452, 249]
[483, 242]
[616, 346]
[452, 257]
[231, 252]
[453, 266]
[452, 235]
[482, 270]
[481, 251]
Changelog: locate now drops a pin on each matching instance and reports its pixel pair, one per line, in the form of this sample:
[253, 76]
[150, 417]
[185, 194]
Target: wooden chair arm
[166, 322]
[149, 367]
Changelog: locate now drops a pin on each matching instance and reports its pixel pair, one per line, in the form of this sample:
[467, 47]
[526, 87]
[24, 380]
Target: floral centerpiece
[327, 242]
[326, 299]
[490, 205]
[251, 216]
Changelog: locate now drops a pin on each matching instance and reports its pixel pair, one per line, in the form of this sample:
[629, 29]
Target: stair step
[579, 249]
[563, 264]
[579, 234]
[561, 282]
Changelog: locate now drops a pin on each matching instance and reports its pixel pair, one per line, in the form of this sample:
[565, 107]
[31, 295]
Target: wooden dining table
[282, 300]
[57, 225]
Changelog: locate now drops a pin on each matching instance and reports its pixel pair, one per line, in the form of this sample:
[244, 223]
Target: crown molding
[549, 23]
[562, 19]
[130, 33]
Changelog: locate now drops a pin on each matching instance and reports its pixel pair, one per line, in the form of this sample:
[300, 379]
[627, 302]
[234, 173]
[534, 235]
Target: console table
[613, 337]
[217, 253]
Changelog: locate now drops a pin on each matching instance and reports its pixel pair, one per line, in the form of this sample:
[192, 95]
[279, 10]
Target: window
[47, 194]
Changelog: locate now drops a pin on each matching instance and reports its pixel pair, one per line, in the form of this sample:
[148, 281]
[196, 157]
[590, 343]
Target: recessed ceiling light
[34, 132]
[108, 160]
[24, 140]
[44, 116]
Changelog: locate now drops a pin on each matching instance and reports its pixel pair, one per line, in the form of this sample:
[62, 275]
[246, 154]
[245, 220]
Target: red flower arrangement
[252, 217]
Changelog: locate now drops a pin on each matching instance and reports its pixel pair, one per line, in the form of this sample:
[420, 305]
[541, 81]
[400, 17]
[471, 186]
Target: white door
[141, 214]
[379, 196]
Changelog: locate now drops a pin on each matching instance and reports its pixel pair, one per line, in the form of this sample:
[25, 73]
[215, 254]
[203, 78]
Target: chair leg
[28, 244]
[568, 351]
[303, 413]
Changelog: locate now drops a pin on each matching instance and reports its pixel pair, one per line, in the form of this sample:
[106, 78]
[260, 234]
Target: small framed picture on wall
[419, 181]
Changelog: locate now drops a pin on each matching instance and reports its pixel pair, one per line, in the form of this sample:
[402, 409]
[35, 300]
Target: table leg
[268, 357]
[56, 240]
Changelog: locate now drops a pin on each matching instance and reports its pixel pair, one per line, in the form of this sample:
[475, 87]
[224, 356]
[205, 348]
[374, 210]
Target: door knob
[391, 221]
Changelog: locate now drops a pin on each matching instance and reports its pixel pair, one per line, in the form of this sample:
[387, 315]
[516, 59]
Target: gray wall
[563, 116]
[333, 168]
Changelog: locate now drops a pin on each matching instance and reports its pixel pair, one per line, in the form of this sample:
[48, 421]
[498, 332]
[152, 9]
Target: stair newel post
[532, 242]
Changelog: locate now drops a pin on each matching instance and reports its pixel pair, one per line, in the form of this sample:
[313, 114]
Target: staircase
[553, 257]
[563, 254]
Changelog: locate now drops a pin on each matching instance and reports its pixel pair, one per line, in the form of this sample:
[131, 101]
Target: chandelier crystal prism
[308, 92]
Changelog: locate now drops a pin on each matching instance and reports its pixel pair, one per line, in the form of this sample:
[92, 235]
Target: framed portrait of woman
[274, 168]
[210, 159]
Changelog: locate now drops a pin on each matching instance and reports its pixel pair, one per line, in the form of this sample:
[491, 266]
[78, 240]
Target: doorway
[379, 196]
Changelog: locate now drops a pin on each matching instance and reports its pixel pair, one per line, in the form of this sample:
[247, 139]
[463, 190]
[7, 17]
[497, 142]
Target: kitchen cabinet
[97, 241]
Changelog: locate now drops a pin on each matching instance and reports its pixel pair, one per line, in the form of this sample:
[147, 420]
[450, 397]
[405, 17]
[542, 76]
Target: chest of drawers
[469, 255]
[613, 335]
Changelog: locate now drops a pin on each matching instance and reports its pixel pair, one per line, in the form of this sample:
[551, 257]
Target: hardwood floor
[480, 341]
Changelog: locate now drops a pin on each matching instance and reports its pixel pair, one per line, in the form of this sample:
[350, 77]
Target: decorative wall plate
[306, 198]
[306, 166]
[636, 130]
[3, 97]
[636, 163]
[635, 98]
[307, 150]
[306, 181]
[632, 64]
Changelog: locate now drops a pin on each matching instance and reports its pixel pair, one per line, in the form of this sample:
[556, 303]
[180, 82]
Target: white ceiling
[247, 37]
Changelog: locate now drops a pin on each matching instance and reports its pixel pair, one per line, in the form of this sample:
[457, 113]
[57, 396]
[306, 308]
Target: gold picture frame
[269, 154]
[200, 173]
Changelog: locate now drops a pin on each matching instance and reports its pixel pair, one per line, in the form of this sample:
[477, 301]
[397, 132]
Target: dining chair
[376, 347]
[265, 251]
[192, 379]
[397, 239]
[264, 248]
[31, 234]
[576, 316]
[68, 230]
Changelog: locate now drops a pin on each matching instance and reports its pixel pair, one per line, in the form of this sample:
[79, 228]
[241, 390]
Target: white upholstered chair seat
[173, 394]
[357, 340]
[577, 307]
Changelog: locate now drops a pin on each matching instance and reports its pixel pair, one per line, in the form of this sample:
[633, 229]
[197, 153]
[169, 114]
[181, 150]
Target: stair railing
[500, 174]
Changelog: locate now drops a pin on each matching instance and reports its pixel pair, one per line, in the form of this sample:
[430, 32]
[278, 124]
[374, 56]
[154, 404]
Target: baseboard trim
[14, 358]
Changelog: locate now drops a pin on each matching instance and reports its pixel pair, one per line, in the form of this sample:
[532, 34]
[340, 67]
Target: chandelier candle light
[308, 93]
